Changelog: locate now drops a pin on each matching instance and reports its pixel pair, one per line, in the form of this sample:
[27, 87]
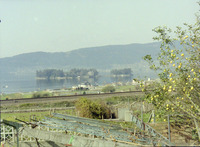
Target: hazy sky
[64, 25]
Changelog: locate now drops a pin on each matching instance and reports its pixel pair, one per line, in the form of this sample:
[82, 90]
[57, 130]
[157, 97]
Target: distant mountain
[103, 58]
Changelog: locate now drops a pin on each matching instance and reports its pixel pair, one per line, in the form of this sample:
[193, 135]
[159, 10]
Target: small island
[72, 74]
[126, 72]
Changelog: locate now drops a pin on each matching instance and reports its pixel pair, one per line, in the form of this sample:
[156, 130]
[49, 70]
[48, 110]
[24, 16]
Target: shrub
[41, 94]
[36, 95]
[108, 88]
[92, 109]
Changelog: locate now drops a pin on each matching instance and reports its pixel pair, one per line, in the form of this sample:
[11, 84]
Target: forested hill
[104, 57]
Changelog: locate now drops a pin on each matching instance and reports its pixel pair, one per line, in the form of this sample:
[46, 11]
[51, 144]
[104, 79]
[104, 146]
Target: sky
[64, 25]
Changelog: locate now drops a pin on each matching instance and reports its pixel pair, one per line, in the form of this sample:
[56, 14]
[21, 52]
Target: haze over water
[64, 25]
[28, 83]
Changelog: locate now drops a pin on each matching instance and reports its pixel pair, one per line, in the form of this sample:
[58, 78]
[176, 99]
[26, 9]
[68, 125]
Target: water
[11, 83]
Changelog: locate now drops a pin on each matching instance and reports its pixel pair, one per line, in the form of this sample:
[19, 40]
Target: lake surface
[11, 83]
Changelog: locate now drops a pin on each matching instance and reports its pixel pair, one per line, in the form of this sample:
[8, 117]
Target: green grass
[17, 95]
[59, 93]
[12, 96]
[38, 115]
[125, 99]
[39, 105]
[125, 88]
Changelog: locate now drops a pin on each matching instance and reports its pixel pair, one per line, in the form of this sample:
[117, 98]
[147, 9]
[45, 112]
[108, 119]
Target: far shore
[56, 78]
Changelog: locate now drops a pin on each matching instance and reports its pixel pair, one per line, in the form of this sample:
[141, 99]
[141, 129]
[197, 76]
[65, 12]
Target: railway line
[67, 97]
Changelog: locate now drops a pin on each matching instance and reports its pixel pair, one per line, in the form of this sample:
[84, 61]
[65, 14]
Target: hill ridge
[100, 57]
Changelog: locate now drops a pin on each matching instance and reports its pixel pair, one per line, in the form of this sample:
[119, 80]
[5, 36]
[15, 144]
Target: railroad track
[67, 97]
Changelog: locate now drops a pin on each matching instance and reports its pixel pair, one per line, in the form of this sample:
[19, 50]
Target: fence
[73, 126]
[10, 134]
[169, 129]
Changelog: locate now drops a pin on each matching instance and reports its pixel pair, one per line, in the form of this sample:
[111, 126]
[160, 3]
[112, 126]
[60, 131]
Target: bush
[36, 95]
[41, 94]
[108, 88]
[92, 109]
[46, 95]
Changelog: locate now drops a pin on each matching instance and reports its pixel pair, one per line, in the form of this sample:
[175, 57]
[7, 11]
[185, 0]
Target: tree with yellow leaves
[179, 71]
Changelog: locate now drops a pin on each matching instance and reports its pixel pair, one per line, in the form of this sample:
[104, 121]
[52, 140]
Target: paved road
[64, 98]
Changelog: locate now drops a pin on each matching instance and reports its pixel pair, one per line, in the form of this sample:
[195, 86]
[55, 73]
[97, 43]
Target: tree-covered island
[126, 72]
[72, 74]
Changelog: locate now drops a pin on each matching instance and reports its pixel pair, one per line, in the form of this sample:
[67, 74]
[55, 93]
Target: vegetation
[26, 116]
[41, 94]
[124, 99]
[68, 91]
[126, 88]
[92, 109]
[49, 73]
[82, 73]
[121, 72]
[179, 72]
[12, 96]
[72, 74]
[108, 88]
[47, 105]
